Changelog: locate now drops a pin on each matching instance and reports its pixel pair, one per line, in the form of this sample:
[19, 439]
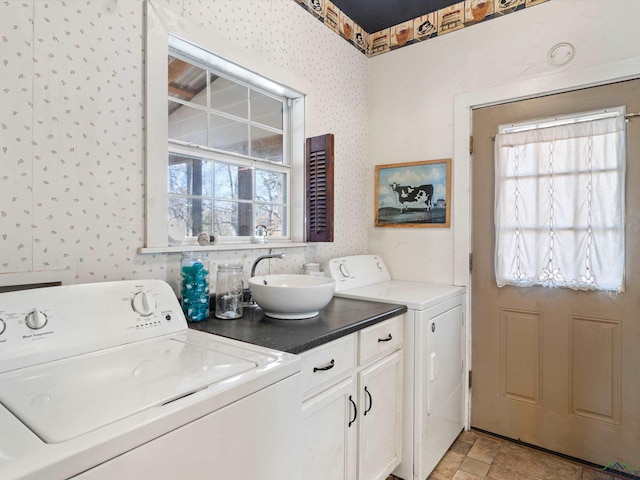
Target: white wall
[413, 93]
[72, 129]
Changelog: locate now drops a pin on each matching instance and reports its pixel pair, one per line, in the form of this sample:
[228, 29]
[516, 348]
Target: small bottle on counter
[229, 290]
[194, 286]
[312, 269]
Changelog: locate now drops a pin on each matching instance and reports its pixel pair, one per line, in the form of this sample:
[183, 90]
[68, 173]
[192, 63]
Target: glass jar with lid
[229, 288]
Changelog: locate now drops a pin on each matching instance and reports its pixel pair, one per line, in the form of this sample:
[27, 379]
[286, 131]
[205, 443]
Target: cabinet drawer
[328, 362]
[380, 338]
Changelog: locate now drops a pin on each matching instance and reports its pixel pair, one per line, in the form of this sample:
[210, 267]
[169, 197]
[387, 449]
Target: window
[559, 204]
[229, 167]
[224, 140]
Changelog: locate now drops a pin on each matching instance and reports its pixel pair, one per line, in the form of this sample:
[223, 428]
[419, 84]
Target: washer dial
[36, 319]
[144, 303]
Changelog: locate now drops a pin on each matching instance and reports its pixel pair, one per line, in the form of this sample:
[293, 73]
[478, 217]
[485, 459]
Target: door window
[559, 203]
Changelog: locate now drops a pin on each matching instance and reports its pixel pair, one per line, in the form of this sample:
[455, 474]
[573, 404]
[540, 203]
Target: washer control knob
[36, 319]
[3, 326]
[144, 303]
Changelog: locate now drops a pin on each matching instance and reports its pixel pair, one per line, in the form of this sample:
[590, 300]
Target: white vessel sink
[292, 296]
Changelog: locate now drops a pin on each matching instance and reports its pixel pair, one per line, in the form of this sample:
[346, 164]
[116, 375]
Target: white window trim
[163, 27]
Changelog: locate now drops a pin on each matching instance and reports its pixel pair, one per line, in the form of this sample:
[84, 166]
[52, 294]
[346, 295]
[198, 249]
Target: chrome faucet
[262, 257]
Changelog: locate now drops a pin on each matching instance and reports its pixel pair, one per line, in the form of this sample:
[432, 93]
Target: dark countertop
[340, 318]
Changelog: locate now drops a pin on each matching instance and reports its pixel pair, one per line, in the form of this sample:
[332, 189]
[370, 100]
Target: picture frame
[414, 194]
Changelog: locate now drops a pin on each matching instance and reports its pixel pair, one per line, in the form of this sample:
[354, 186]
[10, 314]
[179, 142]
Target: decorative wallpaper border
[449, 19]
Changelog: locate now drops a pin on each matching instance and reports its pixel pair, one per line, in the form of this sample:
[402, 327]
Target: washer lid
[415, 295]
[64, 399]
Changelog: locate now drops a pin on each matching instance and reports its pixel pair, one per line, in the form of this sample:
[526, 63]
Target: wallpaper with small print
[72, 130]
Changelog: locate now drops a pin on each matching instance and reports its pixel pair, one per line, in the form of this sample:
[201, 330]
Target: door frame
[565, 80]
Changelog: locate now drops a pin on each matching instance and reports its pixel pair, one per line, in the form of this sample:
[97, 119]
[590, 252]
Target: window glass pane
[229, 97]
[228, 135]
[233, 182]
[245, 219]
[232, 219]
[266, 145]
[187, 82]
[273, 217]
[266, 110]
[189, 176]
[213, 191]
[187, 124]
[270, 186]
[194, 214]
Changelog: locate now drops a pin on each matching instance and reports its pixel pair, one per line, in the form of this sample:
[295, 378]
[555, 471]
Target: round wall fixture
[561, 54]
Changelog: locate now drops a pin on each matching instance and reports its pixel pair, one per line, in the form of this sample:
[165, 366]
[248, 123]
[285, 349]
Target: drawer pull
[370, 400]
[385, 339]
[355, 411]
[332, 364]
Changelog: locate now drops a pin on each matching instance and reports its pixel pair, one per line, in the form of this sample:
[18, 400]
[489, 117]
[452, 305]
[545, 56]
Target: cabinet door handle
[385, 339]
[370, 400]
[355, 411]
[332, 364]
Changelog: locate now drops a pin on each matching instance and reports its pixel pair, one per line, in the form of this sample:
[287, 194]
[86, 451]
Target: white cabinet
[329, 410]
[329, 433]
[352, 408]
[380, 423]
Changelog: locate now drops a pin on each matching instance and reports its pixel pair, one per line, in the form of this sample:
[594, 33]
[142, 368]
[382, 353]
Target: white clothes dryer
[434, 356]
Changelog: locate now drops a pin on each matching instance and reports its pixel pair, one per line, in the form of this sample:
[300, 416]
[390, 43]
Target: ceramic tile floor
[476, 456]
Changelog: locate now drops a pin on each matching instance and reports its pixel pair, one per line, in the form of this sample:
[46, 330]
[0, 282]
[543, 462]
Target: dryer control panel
[357, 271]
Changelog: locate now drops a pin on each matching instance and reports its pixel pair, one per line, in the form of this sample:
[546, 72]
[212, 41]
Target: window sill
[221, 247]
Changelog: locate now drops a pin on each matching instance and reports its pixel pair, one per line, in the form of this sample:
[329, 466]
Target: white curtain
[559, 206]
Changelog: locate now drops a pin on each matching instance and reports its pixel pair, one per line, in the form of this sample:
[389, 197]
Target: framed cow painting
[416, 194]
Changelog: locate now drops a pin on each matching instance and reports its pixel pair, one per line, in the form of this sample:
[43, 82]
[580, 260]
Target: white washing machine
[434, 353]
[105, 380]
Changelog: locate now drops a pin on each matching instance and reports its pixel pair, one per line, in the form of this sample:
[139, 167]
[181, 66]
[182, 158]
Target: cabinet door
[329, 429]
[380, 416]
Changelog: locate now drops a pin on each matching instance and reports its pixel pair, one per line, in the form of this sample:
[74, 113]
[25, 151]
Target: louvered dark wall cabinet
[319, 185]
